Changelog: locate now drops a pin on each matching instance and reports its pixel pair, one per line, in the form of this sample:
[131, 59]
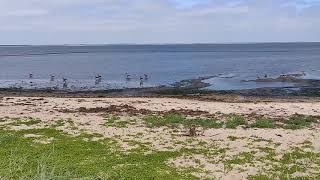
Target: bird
[52, 78]
[128, 77]
[141, 81]
[98, 79]
[65, 83]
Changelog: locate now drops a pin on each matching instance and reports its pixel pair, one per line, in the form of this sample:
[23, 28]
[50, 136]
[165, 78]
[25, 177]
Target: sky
[158, 21]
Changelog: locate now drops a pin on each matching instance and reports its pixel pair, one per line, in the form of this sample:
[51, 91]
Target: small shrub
[234, 121]
[263, 123]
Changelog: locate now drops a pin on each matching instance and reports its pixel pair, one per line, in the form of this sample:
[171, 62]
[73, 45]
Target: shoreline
[217, 96]
[300, 89]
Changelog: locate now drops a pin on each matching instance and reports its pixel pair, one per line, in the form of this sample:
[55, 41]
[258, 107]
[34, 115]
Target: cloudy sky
[158, 21]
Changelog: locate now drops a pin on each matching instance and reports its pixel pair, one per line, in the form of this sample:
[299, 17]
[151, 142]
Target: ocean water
[164, 64]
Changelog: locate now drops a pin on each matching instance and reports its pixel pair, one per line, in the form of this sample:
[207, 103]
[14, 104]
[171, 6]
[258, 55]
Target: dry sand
[45, 108]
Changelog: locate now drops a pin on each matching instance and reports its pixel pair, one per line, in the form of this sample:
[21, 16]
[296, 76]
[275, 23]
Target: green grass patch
[259, 177]
[177, 119]
[263, 123]
[58, 123]
[24, 121]
[293, 161]
[74, 158]
[242, 158]
[234, 121]
[116, 121]
[300, 121]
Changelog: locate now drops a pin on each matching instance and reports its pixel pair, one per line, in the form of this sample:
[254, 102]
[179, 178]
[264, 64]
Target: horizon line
[128, 44]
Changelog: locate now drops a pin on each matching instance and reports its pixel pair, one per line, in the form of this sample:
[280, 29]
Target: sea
[43, 66]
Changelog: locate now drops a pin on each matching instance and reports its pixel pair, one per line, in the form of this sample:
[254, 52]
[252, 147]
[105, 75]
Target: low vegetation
[233, 121]
[263, 123]
[116, 121]
[177, 119]
[300, 121]
[48, 153]
[24, 121]
[70, 157]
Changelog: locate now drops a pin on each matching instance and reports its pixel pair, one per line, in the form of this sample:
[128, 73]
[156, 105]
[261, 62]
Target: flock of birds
[98, 79]
[142, 78]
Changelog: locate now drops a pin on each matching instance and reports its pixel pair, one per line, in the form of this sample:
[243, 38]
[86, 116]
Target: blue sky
[158, 21]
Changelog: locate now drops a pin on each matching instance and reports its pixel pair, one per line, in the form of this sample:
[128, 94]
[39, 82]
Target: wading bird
[52, 78]
[98, 79]
[65, 83]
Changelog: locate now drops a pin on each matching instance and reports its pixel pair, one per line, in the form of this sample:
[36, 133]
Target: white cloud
[28, 12]
[157, 21]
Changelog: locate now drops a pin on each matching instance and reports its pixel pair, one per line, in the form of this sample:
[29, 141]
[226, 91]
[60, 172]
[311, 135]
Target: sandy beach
[220, 152]
[160, 90]
[47, 108]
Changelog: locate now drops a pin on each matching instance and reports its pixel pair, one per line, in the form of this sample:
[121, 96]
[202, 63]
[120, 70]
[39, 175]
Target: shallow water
[165, 64]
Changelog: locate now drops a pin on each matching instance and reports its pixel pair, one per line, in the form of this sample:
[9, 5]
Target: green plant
[177, 119]
[167, 119]
[263, 123]
[299, 122]
[71, 157]
[206, 123]
[115, 121]
[25, 121]
[234, 121]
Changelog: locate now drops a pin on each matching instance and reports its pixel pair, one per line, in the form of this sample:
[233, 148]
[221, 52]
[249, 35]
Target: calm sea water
[165, 64]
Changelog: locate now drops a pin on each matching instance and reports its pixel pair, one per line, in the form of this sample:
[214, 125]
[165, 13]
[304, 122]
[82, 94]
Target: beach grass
[263, 123]
[300, 121]
[171, 119]
[116, 121]
[68, 157]
[233, 121]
